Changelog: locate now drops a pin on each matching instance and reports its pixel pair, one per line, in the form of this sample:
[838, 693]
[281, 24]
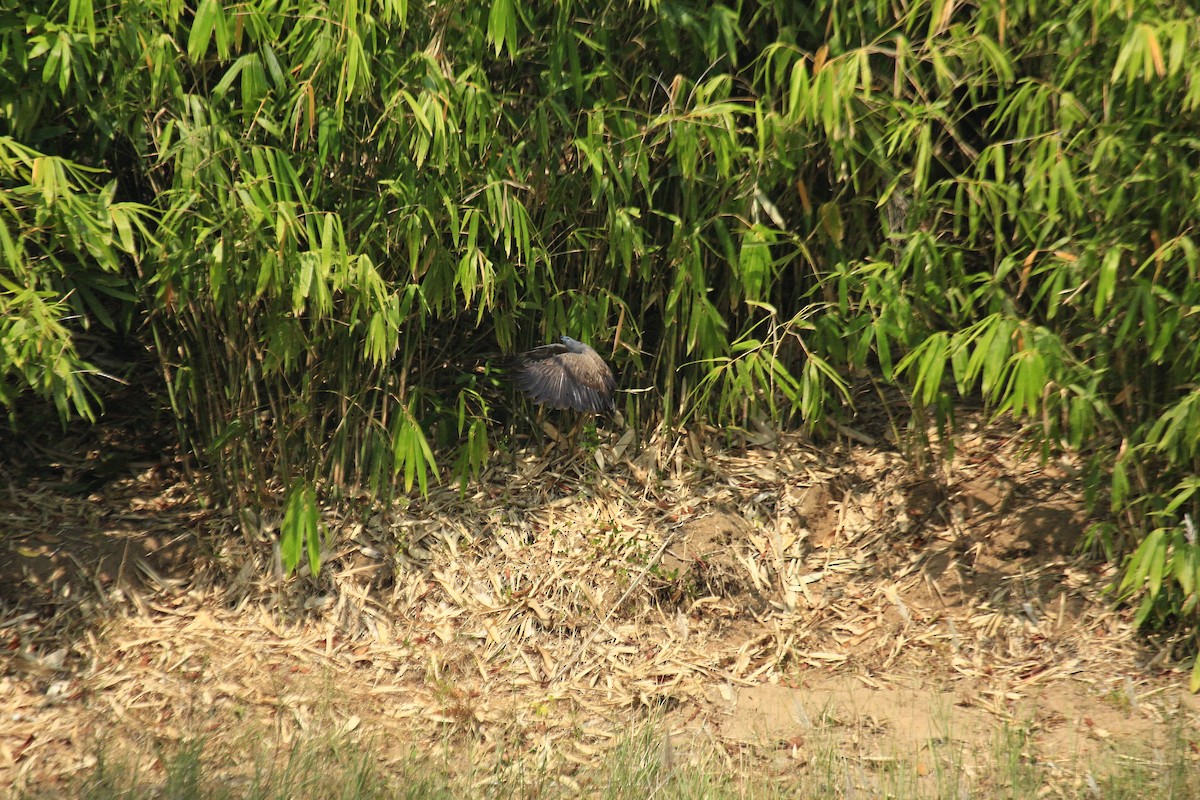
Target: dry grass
[770, 604]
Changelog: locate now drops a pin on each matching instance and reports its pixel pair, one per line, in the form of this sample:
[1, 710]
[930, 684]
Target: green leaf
[502, 26]
[1106, 282]
[300, 529]
[208, 15]
[412, 454]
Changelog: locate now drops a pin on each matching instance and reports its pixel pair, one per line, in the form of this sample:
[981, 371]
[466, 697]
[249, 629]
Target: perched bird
[566, 375]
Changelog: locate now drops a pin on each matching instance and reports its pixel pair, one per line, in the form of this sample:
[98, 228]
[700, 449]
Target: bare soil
[757, 595]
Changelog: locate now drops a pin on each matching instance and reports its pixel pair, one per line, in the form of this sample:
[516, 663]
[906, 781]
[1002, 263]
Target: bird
[568, 374]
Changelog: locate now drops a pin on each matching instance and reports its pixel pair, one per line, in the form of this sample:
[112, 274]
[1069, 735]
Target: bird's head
[574, 345]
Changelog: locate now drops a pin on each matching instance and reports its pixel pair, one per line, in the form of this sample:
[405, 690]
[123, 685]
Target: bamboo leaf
[300, 530]
[1106, 281]
[502, 26]
[208, 15]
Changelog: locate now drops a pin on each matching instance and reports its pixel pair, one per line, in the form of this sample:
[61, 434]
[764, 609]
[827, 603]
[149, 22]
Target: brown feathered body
[566, 375]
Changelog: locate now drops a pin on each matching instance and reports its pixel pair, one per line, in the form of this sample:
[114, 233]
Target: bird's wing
[593, 380]
[552, 376]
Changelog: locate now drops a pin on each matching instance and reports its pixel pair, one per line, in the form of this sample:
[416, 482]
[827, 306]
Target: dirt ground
[762, 597]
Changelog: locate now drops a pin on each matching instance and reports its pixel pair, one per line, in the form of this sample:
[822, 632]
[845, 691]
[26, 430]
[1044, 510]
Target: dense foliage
[319, 214]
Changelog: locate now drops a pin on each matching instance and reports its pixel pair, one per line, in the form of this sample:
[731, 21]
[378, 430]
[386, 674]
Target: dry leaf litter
[753, 591]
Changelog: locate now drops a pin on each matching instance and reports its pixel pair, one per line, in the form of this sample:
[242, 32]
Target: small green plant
[300, 532]
[1164, 571]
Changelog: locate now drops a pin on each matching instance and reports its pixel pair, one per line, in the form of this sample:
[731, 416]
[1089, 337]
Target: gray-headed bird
[566, 375]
